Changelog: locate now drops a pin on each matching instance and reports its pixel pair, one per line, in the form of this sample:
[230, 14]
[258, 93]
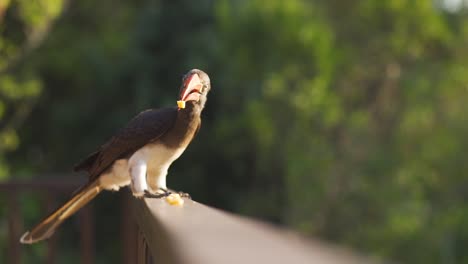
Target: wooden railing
[48, 190]
[198, 234]
[192, 233]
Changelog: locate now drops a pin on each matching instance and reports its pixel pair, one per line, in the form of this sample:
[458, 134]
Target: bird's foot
[162, 194]
[185, 195]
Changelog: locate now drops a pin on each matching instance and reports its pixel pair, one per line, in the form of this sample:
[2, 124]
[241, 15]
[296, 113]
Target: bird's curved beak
[191, 91]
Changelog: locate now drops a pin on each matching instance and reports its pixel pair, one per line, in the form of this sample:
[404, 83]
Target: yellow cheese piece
[175, 199]
[181, 104]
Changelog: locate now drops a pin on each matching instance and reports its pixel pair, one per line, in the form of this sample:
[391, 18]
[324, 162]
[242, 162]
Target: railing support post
[14, 227]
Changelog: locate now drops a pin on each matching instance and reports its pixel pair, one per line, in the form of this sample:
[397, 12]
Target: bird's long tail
[47, 226]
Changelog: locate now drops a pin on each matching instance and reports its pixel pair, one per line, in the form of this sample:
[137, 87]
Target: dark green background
[344, 120]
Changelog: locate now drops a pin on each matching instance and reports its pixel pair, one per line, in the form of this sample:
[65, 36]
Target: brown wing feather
[147, 126]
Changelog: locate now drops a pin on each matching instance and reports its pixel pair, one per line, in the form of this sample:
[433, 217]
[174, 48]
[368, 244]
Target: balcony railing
[198, 234]
[48, 190]
[192, 233]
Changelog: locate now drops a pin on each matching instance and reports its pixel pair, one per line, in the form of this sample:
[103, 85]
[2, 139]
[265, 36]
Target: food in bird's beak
[175, 199]
[192, 89]
[181, 104]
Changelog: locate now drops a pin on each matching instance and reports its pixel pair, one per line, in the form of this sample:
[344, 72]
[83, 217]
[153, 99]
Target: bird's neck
[191, 112]
[186, 125]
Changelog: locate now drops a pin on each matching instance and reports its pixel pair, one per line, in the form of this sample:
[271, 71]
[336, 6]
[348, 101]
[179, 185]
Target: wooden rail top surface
[198, 234]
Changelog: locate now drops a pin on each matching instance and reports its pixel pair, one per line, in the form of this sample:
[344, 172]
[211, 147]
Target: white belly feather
[145, 169]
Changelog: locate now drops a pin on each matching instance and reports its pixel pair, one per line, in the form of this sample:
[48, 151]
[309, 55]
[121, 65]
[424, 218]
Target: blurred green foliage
[343, 120]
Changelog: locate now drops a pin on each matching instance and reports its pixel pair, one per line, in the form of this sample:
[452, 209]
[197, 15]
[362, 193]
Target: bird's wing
[147, 126]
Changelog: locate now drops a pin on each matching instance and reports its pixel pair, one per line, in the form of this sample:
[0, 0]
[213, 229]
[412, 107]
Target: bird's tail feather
[47, 226]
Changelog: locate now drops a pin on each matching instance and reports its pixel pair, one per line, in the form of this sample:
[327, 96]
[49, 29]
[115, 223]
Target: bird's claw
[185, 195]
[165, 193]
[148, 194]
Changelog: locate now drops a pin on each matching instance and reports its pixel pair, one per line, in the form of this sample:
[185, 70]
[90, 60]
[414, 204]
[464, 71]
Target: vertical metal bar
[87, 233]
[128, 231]
[14, 227]
[149, 257]
[142, 254]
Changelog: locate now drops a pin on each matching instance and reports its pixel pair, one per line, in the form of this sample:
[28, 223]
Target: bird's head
[194, 89]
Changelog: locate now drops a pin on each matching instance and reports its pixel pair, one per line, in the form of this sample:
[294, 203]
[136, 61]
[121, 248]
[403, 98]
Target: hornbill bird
[139, 155]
